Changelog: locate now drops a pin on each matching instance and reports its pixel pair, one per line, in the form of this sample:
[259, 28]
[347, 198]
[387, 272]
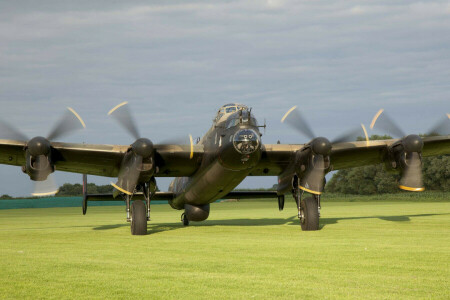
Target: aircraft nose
[246, 141]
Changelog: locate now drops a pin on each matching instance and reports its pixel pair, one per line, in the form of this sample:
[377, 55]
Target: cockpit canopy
[229, 109]
[232, 107]
[245, 117]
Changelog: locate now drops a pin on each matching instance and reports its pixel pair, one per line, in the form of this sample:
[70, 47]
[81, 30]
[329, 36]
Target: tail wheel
[185, 220]
[138, 218]
[310, 214]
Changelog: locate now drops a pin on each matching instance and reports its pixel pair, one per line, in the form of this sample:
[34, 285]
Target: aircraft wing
[105, 160]
[276, 158]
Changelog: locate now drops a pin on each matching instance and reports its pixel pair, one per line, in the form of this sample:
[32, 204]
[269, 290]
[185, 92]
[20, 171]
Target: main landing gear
[138, 218]
[308, 210]
[138, 213]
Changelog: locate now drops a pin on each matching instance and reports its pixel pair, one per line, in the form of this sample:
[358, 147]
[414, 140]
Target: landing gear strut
[138, 212]
[308, 210]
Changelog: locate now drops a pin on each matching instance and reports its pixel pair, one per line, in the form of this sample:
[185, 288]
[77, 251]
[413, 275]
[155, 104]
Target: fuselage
[232, 147]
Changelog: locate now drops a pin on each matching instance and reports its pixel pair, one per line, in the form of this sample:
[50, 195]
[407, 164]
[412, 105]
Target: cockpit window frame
[235, 119]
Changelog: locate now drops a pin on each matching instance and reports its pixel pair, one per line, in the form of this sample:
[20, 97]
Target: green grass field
[245, 250]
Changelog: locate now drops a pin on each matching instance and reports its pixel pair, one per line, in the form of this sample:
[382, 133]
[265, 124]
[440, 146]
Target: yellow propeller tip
[121, 189]
[309, 191]
[77, 115]
[377, 115]
[116, 107]
[45, 193]
[192, 147]
[287, 114]
[411, 189]
[365, 133]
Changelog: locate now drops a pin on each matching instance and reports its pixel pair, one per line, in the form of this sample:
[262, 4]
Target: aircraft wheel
[310, 214]
[185, 220]
[138, 218]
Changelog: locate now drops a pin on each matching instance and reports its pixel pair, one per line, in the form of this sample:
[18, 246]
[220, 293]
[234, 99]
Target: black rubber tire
[310, 209]
[138, 218]
[185, 220]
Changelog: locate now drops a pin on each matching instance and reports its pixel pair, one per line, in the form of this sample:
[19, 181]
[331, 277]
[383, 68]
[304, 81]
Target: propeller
[409, 155]
[382, 121]
[313, 180]
[38, 165]
[138, 155]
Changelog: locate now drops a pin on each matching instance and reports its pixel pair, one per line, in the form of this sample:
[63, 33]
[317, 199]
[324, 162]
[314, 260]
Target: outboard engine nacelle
[400, 154]
[38, 159]
[405, 156]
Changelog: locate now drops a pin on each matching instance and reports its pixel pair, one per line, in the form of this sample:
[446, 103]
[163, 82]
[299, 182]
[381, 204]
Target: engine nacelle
[313, 157]
[38, 159]
[400, 154]
[38, 167]
[196, 213]
[305, 158]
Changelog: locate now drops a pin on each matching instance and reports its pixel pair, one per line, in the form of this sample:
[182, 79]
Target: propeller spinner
[140, 155]
[314, 158]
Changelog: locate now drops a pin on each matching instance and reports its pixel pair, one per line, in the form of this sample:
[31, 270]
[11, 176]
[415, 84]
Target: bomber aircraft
[211, 169]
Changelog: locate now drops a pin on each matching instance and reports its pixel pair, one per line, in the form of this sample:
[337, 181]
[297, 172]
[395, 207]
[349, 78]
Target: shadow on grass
[156, 228]
[400, 218]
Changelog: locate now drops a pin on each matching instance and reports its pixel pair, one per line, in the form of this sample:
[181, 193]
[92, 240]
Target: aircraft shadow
[399, 218]
[156, 228]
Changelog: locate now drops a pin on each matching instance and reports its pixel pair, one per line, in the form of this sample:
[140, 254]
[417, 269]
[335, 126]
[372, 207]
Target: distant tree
[76, 189]
[436, 172]
[69, 189]
[5, 196]
[365, 180]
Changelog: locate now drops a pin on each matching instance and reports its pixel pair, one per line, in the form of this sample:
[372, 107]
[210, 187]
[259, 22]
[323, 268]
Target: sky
[177, 62]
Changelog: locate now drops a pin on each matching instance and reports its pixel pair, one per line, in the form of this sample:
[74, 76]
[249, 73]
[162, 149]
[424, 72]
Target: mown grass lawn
[245, 250]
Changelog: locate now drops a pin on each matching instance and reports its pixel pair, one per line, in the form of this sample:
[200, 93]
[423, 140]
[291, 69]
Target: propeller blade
[9, 132]
[69, 122]
[182, 141]
[294, 119]
[122, 114]
[129, 175]
[313, 181]
[191, 155]
[44, 188]
[412, 174]
[442, 127]
[352, 135]
[383, 122]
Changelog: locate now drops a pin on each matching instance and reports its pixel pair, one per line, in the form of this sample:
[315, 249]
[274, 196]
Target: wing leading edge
[105, 160]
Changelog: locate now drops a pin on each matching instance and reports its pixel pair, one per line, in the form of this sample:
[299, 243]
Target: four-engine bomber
[211, 169]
